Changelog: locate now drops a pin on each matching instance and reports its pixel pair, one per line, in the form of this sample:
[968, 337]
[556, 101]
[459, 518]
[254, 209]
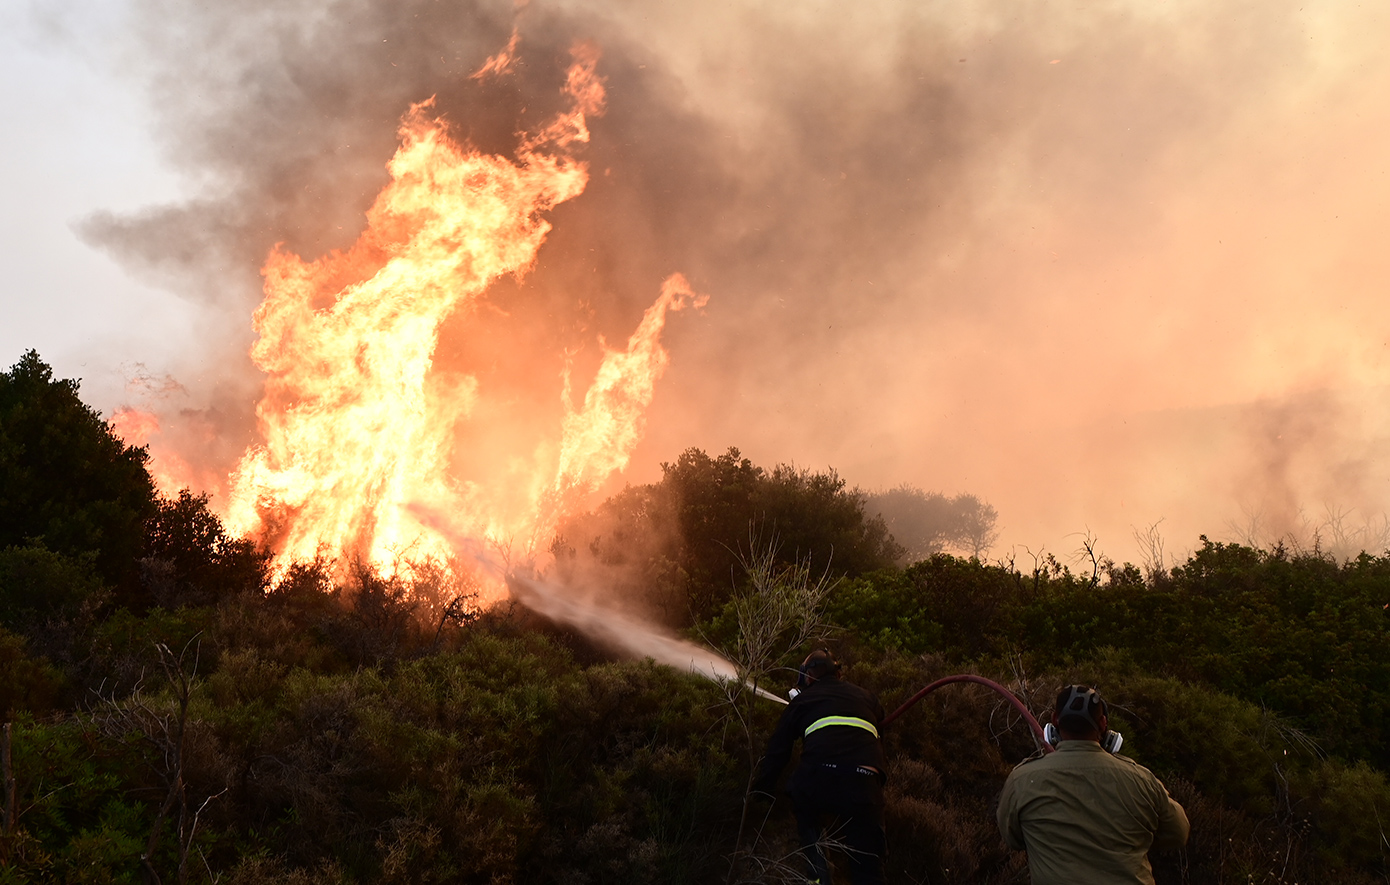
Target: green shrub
[67, 482]
[1348, 807]
[30, 684]
[191, 560]
[38, 585]
[76, 821]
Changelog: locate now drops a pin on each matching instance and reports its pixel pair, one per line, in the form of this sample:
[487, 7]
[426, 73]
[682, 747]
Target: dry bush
[261, 870]
[942, 833]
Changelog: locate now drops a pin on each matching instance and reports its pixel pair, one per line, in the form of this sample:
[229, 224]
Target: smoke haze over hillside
[1100, 267]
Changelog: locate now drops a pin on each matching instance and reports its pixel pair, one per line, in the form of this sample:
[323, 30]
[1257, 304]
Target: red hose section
[987, 683]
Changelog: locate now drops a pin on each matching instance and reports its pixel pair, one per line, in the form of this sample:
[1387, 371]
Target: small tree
[67, 482]
[928, 523]
[976, 520]
[777, 616]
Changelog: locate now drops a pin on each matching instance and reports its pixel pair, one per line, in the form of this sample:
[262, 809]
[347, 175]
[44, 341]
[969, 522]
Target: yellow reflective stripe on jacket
[842, 720]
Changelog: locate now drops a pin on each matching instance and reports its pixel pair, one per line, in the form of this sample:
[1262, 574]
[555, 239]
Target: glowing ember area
[358, 428]
[169, 470]
[134, 426]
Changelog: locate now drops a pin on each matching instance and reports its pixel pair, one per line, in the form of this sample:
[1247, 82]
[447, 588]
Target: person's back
[1083, 814]
[841, 771]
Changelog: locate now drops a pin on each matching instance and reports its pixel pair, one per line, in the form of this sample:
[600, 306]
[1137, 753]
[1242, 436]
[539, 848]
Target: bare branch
[1155, 561]
[162, 723]
[779, 614]
[7, 772]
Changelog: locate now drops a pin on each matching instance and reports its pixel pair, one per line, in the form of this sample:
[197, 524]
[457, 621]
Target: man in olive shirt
[1082, 813]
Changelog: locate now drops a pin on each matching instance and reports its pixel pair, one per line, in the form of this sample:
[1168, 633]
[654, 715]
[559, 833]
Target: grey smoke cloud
[1073, 261]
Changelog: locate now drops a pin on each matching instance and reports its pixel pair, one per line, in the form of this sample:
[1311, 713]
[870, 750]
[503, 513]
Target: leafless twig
[162, 723]
[779, 614]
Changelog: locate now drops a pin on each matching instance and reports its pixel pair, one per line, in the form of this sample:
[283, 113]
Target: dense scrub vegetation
[175, 714]
[678, 545]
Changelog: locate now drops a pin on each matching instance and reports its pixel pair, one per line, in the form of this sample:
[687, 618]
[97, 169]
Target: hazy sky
[76, 139]
[1102, 265]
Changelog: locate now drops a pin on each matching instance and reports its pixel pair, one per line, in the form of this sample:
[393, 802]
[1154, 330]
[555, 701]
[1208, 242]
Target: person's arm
[1172, 822]
[1007, 816]
[779, 752]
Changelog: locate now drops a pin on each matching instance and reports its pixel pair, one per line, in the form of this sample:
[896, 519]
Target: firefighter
[1083, 813]
[841, 774]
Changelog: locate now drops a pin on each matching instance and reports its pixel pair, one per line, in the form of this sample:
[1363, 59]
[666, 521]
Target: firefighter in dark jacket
[841, 774]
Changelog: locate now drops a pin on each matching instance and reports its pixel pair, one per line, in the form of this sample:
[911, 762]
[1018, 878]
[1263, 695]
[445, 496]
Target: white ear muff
[1050, 734]
[1112, 742]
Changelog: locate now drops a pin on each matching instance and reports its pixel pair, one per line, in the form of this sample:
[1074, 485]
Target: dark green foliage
[1346, 806]
[813, 515]
[1299, 634]
[345, 726]
[720, 500]
[1232, 676]
[53, 601]
[500, 760]
[687, 535]
[942, 604]
[191, 560]
[77, 822]
[38, 585]
[30, 684]
[123, 653]
[67, 483]
[714, 500]
[494, 755]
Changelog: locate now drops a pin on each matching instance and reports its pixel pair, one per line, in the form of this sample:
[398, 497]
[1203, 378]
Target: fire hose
[987, 683]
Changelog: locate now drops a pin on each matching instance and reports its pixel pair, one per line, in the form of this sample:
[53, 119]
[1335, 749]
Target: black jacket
[847, 745]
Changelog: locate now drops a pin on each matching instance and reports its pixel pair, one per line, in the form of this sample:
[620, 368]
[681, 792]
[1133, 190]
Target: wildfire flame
[170, 471]
[358, 430]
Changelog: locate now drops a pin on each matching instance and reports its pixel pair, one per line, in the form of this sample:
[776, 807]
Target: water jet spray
[609, 626]
[618, 630]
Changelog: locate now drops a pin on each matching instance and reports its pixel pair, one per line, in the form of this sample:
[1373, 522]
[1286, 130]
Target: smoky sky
[1084, 263]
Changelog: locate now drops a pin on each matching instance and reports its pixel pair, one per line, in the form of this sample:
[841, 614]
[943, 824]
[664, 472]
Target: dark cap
[818, 665]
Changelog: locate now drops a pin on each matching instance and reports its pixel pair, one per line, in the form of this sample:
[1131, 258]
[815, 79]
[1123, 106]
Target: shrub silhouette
[344, 725]
[67, 482]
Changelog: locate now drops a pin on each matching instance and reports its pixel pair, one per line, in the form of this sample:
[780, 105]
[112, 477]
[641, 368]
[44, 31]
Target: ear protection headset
[819, 660]
[1083, 702]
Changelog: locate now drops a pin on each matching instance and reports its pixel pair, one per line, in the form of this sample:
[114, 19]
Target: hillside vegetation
[175, 715]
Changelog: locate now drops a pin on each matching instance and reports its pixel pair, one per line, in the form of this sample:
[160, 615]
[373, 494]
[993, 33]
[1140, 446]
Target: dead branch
[7, 772]
[162, 725]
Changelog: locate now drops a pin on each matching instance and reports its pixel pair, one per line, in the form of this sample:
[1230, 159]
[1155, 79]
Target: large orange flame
[358, 430]
[170, 471]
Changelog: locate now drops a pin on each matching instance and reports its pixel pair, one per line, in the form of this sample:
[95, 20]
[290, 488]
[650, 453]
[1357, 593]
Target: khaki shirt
[1085, 816]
